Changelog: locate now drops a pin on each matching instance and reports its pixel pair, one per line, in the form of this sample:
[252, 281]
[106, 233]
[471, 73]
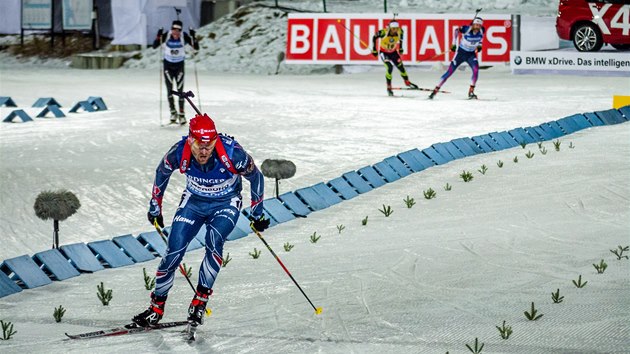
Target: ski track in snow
[424, 280]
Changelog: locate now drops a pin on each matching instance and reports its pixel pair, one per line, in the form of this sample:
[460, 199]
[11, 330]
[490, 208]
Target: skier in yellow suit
[391, 47]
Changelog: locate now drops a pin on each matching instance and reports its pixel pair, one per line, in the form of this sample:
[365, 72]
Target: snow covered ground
[425, 280]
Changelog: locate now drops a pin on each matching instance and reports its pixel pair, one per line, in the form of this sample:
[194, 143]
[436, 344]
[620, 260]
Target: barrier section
[26, 271]
[357, 182]
[53, 262]
[133, 248]
[341, 186]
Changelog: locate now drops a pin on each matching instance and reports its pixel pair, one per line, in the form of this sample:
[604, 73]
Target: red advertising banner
[347, 38]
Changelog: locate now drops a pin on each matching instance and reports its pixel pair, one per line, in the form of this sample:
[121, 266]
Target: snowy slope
[425, 280]
[325, 124]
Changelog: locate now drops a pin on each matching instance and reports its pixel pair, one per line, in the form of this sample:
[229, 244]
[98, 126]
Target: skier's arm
[159, 38]
[191, 39]
[375, 37]
[401, 49]
[163, 172]
[246, 167]
[455, 35]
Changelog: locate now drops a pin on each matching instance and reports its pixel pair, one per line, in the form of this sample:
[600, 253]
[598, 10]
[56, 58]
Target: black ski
[418, 89]
[126, 329]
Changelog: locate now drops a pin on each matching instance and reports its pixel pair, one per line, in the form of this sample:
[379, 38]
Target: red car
[591, 23]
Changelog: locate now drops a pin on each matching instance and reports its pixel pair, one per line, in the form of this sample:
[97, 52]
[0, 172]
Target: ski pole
[164, 235]
[187, 96]
[433, 57]
[352, 33]
[197, 80]
[318, 310]
[161, 67]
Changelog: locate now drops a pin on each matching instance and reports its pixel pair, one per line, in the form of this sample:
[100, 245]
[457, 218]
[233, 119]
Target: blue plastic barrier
[133, 248]
[106, 251]
[277, 210]
[386, 171]
[465, 148]
[398, 166]
[342, 187]
[358, 182]
[436, 157]
[567, 125]
[25, 270]
[311, 198]
[410, 160]
[295, 204]
[328, 194]
[85, 105]
[625, 112]
[153, 242]
[17, 113]
[581, 121]
[51, 109]
[46, 101]
[502, 141]
[81, 257]
[594, 119]
[7, 101]
[442, 150]
[486, 143]
[370, 175]
[8, 286]
[611, 116]
[97, 103]
[521, 137]
[56, 264]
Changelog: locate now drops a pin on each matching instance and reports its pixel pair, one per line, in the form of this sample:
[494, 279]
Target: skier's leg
[474, 65]
[180, 89]
[451, 69]
[168, 80]
[388, 74]
[186, 225]
[403, 73]
[219, 225]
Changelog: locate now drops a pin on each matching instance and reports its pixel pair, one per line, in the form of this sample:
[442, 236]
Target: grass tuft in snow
[578, 284]
[429, 194]
[601, 267]
[188, 270]
[571, 146]
[149, 283]
[387, 210]
[364, 221]
[58, 313]
[7, 330]
[314, 237]
[448, 187]
[556, 297]
[505, 331]
[540, 146]
[619, 252]
[556, 145]
[477, 348]
[340, 228]
[255, 254]
[500, 164]
[533, 314]
[288, 247]
[226, 260]
[515, 159]
[409, 202]
[467, 176]
[529, 154]
[105, 295]
[543, 150]
[523, 145]
[483, 169]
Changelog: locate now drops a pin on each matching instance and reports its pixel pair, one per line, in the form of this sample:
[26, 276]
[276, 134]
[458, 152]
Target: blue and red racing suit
[466, 52]
[212, 197]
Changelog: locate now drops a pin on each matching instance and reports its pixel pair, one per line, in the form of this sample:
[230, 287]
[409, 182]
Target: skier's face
[176, 32]
[202, 151]
[476, 27]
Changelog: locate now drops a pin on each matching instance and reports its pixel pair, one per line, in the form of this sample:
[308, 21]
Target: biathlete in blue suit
[469, 45]
[214, 165]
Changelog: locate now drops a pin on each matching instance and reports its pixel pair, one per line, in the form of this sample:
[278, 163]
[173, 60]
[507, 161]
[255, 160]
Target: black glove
[155, 213]
[453, 47]
[401, 51]
[374, 52]
[160, 32]
[479, 47]
[261, 224]
[192, 32]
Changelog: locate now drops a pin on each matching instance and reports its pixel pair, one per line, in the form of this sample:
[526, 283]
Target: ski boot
[174, 117]
[197, 307]
[471, 93]
[182, 118]
[434, 92]
[153, 314]
[389, 90]
[411, 85]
